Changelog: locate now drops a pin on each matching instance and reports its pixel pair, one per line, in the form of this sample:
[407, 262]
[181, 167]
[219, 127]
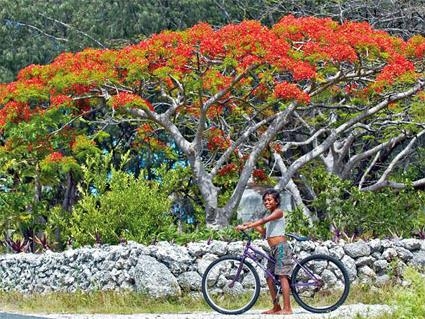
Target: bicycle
[231, 285]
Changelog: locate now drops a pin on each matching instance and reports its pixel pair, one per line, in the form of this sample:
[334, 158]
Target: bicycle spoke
[320, 284]
[230, 286]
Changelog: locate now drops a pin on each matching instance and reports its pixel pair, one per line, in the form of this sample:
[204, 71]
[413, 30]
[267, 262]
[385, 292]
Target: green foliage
[383, 213]
[116, 205]
[297, 223]
[410, 301]
[13, 209]
[83, 147]
[197, 234]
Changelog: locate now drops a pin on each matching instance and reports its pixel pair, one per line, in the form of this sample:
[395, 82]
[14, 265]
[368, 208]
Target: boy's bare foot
[284, 312]
[275, 310]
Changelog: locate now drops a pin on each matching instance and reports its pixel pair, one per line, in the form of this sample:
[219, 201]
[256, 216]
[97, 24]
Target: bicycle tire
[297, 275]
[206, 293]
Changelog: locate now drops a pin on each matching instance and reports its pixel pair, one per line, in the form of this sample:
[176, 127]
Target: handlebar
[245, 235]
[293, 236]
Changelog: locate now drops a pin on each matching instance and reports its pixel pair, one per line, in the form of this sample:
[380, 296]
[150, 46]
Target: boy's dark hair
[274, 193]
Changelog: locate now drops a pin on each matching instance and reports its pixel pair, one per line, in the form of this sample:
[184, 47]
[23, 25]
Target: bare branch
[73, 120]
[293, 189]
[226, 155]
[71, 27]
[369, 168]
[399, 156]
[327, 143]
[288, 145]
[265, 139]
[40, 31]
[377, 186]
[359, 157]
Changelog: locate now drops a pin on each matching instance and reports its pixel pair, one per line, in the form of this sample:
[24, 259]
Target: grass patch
[98, 302]
[132, 302]
[408, 301]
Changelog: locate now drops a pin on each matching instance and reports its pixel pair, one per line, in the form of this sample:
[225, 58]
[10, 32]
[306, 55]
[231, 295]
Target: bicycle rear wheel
[230, 286]
[320, 283]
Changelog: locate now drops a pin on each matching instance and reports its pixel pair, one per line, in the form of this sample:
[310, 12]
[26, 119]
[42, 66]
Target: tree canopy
[230, 99]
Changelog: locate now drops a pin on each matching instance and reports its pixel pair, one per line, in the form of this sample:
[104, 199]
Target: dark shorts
[282, 254]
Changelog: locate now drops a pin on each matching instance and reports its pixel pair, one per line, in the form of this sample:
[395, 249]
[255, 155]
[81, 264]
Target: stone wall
[166, 269]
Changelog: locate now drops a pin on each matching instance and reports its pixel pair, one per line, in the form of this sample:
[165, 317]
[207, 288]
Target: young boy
[274, 233]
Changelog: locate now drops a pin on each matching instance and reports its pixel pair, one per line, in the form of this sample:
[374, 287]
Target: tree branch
[71, 27]
[265, 139]
[293, 189]
[369, 168]
[377, 186]
[399, 156]
[301, 161]
[357, 158]
[226, 155]
[40, 31]
[204, 108]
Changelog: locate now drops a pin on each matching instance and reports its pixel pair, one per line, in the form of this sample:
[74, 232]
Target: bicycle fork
[238, 273]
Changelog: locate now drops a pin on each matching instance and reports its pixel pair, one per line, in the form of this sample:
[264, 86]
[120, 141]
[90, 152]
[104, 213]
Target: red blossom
[350, 88]
[227, 169]
[416, 46]
[289, 91]
[55, 157]
[60, 99]
[294, 48]
[216, 140]
[397, 67]
[303, 71]
[259, 174]
[146, 128]
[124, 99]
[14, 112]
[277, 148]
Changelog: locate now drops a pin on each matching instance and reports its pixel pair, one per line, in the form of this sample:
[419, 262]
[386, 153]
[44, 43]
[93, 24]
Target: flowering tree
[231, 98]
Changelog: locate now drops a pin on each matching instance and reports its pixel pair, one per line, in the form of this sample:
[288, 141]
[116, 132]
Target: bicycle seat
[297, 238]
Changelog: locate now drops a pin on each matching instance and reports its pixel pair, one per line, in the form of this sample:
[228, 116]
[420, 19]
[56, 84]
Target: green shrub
[115, 205]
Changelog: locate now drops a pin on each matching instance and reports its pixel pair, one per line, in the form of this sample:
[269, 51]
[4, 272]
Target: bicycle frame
[255, 255]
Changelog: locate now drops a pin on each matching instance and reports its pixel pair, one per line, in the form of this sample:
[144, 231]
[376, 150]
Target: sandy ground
[344, 312]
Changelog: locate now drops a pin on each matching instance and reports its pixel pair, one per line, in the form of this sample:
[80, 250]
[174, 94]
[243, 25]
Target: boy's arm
[259, 223]
[273, 216]
[261, 230]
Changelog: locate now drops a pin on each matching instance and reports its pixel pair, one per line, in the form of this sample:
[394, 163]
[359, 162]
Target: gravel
[344, 312]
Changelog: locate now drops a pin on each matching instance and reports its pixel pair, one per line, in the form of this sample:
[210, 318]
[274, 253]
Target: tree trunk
[68, 201]
[37, 184]
[69, 197]
[220, 220]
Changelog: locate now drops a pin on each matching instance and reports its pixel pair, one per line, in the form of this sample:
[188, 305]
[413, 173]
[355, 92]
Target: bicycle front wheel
[230, 286]
[320, 283]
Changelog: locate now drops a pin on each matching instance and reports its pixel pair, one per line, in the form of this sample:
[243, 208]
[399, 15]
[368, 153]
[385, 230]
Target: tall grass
[408, 302]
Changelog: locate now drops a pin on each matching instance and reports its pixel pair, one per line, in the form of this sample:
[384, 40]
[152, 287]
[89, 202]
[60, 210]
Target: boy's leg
[286, 290]
[272, 289]
[284, 268]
